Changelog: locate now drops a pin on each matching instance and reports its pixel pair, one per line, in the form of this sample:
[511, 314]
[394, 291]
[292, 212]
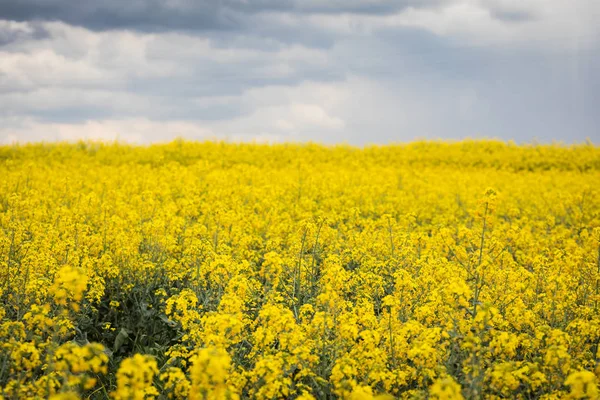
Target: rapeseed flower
[213, 270]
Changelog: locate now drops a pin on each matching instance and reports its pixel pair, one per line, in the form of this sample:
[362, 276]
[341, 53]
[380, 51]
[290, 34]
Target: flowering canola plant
[428, 270]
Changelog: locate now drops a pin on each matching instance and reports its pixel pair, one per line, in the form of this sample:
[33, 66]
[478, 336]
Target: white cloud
[139, 130]
[76, 57]
[13, 30]
[534, 23]
[44, 67]
[294, 113]
[283, 113]
[544, 24]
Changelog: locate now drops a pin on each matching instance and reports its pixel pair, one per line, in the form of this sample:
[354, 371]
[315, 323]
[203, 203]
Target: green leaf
[167, 321]
[120, 339]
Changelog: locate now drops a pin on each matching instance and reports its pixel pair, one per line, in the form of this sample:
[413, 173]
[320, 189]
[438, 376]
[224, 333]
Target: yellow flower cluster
[134, 378]
[227, 271]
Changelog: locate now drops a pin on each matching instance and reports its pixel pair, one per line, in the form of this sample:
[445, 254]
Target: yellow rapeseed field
[225, 271]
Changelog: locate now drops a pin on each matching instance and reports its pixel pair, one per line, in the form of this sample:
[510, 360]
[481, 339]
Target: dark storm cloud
[143, 15]
[162, 15]
[32, 32]
[511, 15]
[368, 7]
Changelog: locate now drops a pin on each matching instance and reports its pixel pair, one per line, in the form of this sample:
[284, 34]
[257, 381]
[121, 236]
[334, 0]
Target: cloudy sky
[331, 71]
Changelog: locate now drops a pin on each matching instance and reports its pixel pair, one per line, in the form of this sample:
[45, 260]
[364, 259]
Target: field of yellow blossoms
[230, 271]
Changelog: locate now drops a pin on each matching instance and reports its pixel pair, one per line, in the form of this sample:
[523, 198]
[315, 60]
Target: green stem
[477, 290]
